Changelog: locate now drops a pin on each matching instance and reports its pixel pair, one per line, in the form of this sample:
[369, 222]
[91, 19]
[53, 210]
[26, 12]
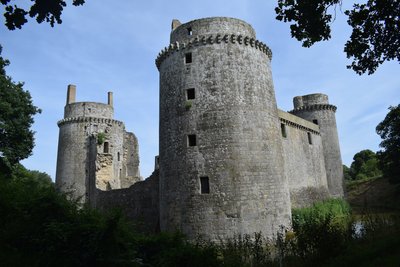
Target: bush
[321, 231]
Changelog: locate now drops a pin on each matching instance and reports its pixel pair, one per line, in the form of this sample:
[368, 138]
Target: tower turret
[220, 151]
[316, 108]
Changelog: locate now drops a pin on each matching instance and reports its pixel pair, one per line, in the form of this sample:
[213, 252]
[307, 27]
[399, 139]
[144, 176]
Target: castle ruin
[230, 162]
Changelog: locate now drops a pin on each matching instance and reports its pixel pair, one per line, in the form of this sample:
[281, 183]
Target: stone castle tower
[316, 108]
[220, 151]
[230, 162]
[94, 150]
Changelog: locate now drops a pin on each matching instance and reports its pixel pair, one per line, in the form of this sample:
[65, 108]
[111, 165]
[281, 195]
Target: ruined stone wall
[304, 161]
[237, 152]
[140, 202]
[130, 167]
[84, 121]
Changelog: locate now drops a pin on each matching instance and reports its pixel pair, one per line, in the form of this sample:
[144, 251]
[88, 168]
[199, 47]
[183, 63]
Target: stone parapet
[211, 39]
[298, 122]
[314, 107]
[89, 119]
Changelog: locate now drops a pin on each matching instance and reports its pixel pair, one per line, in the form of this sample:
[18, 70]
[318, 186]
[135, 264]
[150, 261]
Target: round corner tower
[221, 164]
[90, 148]
[316, 108]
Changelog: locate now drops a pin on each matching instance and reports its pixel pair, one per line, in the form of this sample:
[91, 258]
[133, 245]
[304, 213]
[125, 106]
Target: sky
[111, 46]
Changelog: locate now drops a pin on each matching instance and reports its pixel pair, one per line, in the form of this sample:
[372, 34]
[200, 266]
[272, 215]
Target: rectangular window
[190, 94]
[204, 185]
[188, 58]
[106, 147]
[315, 122]
[118, 156]
[191, 140]
[309, 138]
[283, 130]
[189, 30]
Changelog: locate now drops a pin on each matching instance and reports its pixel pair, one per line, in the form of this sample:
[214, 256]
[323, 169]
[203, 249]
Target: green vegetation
[101, 138]
[389, 157]
[40, 227]
[374, 38]
[365, 166]
[16, 118]
[16, 15]
[188, 104]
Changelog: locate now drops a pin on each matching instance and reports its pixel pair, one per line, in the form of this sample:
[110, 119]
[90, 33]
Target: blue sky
[103, 47]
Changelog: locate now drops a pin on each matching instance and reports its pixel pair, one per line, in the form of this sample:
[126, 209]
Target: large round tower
[221, 165]
[316, 108]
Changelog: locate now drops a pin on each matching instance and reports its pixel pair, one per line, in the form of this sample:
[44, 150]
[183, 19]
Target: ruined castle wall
[130, 164]
[304, 162]
[140, 202]
[83, 121]
[109, 162]
[88, 109]
[233, 118]
[72, 159]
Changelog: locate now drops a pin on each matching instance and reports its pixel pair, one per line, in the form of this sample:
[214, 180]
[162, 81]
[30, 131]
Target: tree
[376, 28]
[346, 173]
[389, 157]
[16, 118]
[42, 10]
[364, 165]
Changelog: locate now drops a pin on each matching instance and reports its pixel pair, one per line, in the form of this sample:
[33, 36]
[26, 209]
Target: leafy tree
[346, 173]
[16, 118]
[364, 165]
[389, 157]
[375, 37]
[42, 10]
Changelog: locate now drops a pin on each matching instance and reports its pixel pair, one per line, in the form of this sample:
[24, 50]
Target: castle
[230, 162]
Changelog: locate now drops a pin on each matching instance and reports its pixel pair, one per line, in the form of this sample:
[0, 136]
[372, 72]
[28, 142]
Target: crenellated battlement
[212, 39]
[89, 119]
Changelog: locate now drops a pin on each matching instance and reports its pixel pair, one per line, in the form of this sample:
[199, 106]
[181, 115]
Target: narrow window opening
[188, 58]
[191, 140]
[190, 94]
[190, 31]
[106, 147]
[118, 156]
[204, 185]
[283, 130]
[309, 138]
[315, 122]
[120, 173]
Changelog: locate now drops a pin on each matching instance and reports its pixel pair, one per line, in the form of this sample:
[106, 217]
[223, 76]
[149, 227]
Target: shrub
[101, 137]
[322, 231]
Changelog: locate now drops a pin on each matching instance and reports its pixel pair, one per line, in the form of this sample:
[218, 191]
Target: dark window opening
[106, 147]
[315, 122]
[204, 185]
[283, 130]
[188, 58]
[309, 138]
[118, 156]
[190, 94]
[190, 31]
[191, 140]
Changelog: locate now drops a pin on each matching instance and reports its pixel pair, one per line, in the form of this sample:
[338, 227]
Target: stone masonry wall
[139, 202]
[304, 163]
